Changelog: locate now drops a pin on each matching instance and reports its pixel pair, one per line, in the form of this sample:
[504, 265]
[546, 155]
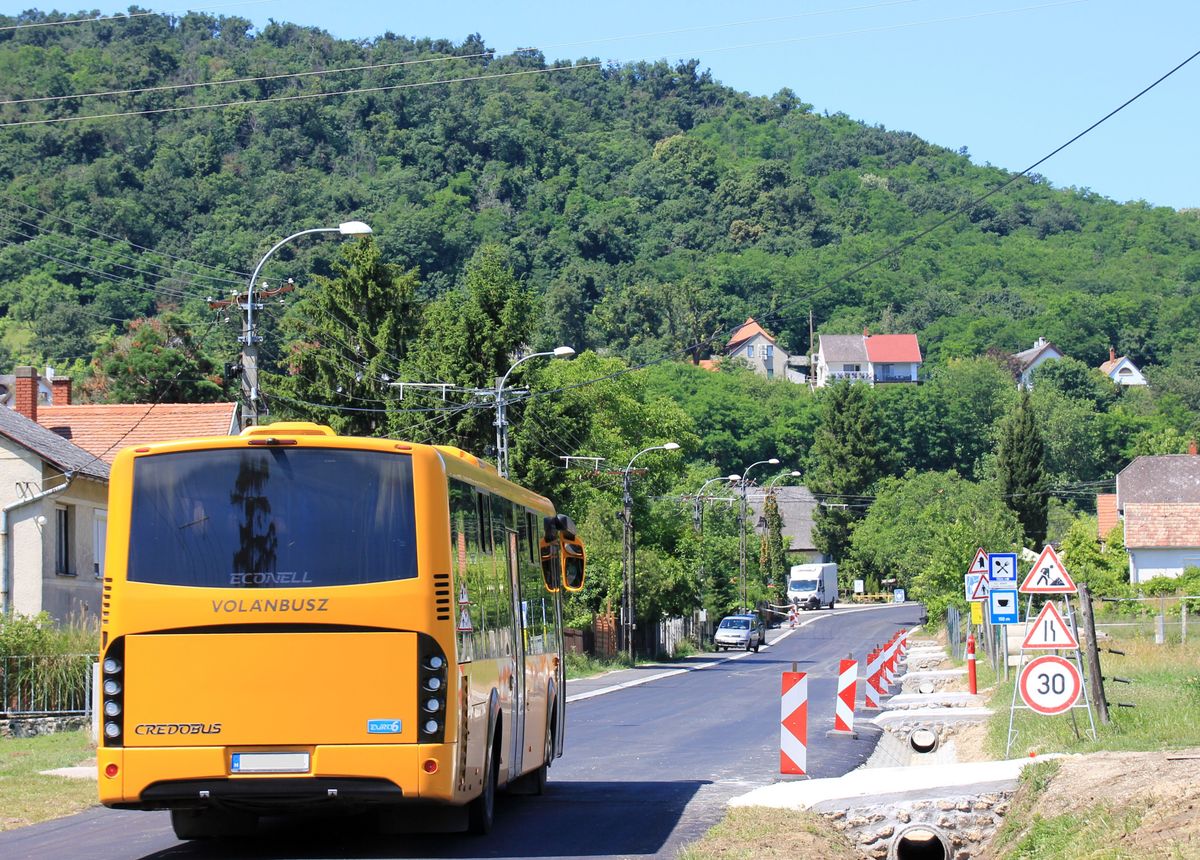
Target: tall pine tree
[1022, 474]
[849, 459]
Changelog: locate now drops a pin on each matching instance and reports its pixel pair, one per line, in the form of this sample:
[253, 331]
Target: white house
[1158, 497]
[875, 359]
[1026, 360]
[1121, 370]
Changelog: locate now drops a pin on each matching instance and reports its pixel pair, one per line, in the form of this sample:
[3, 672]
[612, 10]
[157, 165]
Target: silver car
[739, 631]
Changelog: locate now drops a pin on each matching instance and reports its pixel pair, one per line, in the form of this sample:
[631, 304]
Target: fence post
[1092, 652]
[1182, 623]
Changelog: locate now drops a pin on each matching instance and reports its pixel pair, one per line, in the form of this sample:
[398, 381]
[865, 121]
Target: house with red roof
[1158, 499]
[872, 358]
[54, 486]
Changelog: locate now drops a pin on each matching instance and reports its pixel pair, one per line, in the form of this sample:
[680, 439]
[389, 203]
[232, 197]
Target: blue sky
[1008, 79]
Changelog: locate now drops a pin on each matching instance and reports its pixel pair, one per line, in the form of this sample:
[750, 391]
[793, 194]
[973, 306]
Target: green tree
[848, 454]
[1021, 472]
[776, 566]
[349, 334]
[922, 530]
[156, 361]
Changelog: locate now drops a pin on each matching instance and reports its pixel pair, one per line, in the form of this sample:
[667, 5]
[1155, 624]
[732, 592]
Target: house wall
[19, 468]
[777, 363]
[1027, 373]
[74, 593]
[896, 371]
[1130, 376]
[1147, 563]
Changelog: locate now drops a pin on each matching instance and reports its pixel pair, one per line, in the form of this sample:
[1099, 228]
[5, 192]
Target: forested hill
[646, 206]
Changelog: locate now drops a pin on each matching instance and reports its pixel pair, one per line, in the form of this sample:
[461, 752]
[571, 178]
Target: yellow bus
[294, 620]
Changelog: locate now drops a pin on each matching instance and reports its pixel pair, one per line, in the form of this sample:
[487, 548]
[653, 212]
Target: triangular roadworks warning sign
[982, 588]
[979, 563]
[1048, 576]
[1050, 631]
[464, 622]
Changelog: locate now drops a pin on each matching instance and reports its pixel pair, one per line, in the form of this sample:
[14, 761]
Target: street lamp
[698, 516]
[628, 560]
[774, 461]
[501, 421]
[249, 339]
[791, 474]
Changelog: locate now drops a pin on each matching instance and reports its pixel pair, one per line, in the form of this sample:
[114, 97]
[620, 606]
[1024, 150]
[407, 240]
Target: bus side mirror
[573, 565]
[551, 565]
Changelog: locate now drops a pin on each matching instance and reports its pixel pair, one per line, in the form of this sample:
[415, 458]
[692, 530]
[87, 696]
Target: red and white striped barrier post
[889, 658]
[793, 724]
[871, 692]
[843, 706]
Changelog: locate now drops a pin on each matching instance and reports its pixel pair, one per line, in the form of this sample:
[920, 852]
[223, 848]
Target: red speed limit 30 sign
[1050, 685]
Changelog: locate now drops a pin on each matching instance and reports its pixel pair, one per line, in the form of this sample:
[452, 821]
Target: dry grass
[27, 797]
[755, 832]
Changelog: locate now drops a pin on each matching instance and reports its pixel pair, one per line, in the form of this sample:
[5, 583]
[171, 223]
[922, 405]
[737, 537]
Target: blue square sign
[1002, 567]
[1002, 606]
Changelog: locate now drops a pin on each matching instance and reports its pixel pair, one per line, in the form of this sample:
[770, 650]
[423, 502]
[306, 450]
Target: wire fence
[46, 685]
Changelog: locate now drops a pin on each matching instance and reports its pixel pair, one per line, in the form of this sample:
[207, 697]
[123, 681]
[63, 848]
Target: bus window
[572, 565]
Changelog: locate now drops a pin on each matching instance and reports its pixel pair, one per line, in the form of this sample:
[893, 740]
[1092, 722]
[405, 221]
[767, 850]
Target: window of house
[63, 522]
[768, 351]
[99, 535]
[750, 351]
[770, 371]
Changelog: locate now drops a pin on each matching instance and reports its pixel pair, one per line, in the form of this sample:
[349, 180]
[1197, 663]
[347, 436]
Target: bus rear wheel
[481, 813]
[211, 823]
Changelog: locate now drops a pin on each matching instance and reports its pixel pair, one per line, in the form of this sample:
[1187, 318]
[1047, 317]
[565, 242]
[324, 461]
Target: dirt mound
[1151, 801]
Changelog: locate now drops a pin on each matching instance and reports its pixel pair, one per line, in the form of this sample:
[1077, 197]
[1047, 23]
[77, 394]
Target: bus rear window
[272, 518]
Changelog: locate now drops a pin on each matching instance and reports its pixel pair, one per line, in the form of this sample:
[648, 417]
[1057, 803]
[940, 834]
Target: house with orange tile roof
[54, 486]
[1158, 498]
[753, 344]
[1122, 370]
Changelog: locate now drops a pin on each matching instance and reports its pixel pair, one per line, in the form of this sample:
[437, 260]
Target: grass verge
[27, 797]
[1165, 693]
[756, 832]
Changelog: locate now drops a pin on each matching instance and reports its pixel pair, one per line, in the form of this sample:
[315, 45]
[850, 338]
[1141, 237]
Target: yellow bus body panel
[268, 688]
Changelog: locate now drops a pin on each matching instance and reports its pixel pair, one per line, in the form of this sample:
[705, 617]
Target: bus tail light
[431, 689]
[111, 771]
[431, 765]
[113, 686]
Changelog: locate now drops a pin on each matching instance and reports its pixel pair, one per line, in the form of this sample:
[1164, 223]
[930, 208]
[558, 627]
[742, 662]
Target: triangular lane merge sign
[981, 589]
[1048, 576]
[979, 564]
[1050, 631]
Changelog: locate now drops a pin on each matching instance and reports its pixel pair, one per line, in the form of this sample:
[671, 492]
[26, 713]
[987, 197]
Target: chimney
[26, 399]
[60, 391]
[866, 332]
[1192, 447]
[1039, 343]
[1112, 354]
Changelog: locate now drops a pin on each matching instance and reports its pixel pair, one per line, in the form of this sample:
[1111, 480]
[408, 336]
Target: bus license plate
[269, 762]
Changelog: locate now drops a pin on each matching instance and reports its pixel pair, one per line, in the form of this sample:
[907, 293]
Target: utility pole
[627, 567]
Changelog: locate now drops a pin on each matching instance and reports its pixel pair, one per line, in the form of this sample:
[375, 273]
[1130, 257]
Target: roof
[51, 447]
[796, 507]
[1159, 478]
[1111, 365]
[893, 348]
[1026, 357]
[104, 429]
[1162, 525]
[842, 347]
[1106, 514]
[745, 331]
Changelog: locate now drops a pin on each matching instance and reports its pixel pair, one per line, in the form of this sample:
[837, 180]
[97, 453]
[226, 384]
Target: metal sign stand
[1087, 703]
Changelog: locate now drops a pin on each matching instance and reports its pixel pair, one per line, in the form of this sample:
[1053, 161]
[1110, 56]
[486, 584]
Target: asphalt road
[648, 768]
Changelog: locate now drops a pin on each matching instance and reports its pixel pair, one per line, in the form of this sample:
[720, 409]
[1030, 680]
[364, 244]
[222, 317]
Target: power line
[525, 72]
[242, 275]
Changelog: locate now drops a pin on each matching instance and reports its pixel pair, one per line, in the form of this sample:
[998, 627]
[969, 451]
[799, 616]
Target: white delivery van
[811, 586]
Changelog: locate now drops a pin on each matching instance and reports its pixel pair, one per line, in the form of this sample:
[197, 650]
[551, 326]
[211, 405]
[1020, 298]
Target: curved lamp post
[249, 339]
[774, 461]
[628, 560]
[501, 420]
[791, 474]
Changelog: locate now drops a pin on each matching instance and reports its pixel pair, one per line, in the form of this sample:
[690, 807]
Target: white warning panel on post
[980, 563]
[1048, 576]
[981, 589]
[1049, 631]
